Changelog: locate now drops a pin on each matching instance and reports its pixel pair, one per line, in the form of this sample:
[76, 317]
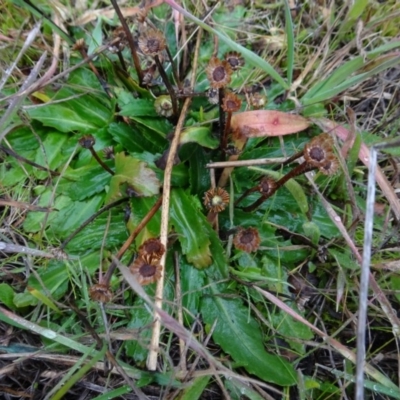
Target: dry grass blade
[17, 101]
[364, 157]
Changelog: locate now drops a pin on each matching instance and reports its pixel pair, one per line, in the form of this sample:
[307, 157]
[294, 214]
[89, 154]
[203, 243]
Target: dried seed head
[79, 44]
[87, 141]
[247, 239]
[109, 152]
[101, 293]
[231, 103]
[218, 73]
[163, 106]
[319, 153]
[258, 100]
[216, 199]
[152, 42]
[234, 59]
[146, 271]
[153, 248]
[119, 32]
[212, 95]
[331, 165]
[267, 186]
[317, 150]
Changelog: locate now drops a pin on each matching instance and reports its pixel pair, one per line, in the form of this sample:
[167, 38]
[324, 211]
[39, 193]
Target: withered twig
[131, 42]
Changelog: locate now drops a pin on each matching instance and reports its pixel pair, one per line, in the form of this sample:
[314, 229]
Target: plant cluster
[188, 162]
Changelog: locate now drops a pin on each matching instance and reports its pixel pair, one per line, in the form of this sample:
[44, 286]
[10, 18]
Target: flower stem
[131, 42]
[103, 165]
[298, 170]
[168, 85]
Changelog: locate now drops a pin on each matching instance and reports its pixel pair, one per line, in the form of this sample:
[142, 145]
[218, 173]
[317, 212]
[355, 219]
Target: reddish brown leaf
[261, 123]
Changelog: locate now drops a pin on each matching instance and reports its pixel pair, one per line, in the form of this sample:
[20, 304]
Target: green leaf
[96, 37]
[133, 140]
[192, 282]
[49, 154]
[159, 125]
[357, 9]
[195, 388]
[352, 157]
[141, 320]
[84, 182]
[135, 173]
[312, 231]
[7, 295]
[199, 181]
[189, 224]
[35, 220]
[140, 206]
[218, 254]
[238, 389]
[54, 279]
[200, 135]
[344, 258]
[239, 335]
[71, 217]
[135, 107]
[289, 328]
[13, 171]
[25, 299]
[74, 109]
[22, 139]
[103, 229]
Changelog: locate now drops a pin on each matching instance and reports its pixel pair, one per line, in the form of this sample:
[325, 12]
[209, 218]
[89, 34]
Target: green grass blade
[19, 322]
[290, 42]
[66, 383]
[250, 57]
[115, 393]
[328, 91]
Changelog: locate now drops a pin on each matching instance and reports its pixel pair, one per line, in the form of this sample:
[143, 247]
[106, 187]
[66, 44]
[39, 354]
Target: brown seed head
[146, 272]
[218, 73]
[79, 44]
[331, 165]
[266, 186]
[234, 59]
[119, 32]
[152, 42]
[153, 248]
[87, 141]
[100, 292]
[231, 103]
[318, 149]
[319, 153]
[247, 239]
[216, 199]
